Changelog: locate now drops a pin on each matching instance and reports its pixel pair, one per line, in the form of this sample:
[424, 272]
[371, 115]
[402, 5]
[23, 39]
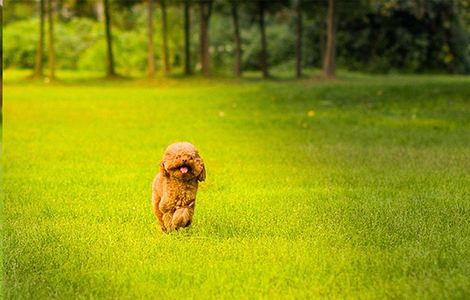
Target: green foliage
[80, 44]
[381, 36]
[280, 45]
[351, 189]
[405, 36]
[222, 41]
[72, 40]
[20, 43]
[17, 10]
[129, 48]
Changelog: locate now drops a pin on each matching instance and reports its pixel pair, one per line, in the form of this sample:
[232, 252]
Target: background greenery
[374, 36]
[352, 188]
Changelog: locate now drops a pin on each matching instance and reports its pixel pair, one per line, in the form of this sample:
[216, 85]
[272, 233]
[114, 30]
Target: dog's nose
[184, 160]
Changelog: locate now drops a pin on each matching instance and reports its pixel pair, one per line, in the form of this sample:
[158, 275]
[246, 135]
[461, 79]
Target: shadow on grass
[66, 78]
[310, 78]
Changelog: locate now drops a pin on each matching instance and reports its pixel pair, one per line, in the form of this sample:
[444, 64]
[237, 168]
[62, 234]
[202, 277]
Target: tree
[238, 43]
[264, 44]
[165, 58]
[329, 64]
[51, 50]
[298, 45]
[259, 9]
[150, 46]
[205, 7]
[187, 50]
[441, 27]
[110, 71]
[39, 63]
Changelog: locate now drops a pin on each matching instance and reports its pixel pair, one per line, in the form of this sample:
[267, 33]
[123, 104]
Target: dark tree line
[326, 11]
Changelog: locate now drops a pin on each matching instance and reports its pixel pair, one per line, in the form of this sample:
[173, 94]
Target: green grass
[368, 198]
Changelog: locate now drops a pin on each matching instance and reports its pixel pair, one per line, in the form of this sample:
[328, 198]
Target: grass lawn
[353, 188]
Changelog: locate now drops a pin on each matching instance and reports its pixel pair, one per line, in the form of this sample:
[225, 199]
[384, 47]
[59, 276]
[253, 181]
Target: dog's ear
[163, 169]
[202, 175]
[200, 168]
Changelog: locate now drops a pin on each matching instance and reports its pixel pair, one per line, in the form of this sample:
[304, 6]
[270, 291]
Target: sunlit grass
[352, 188]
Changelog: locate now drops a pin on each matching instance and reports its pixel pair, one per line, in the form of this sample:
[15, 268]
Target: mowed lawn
[346, 189]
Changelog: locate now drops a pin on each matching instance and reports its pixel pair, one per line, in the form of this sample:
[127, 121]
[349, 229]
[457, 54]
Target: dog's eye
[178, 156]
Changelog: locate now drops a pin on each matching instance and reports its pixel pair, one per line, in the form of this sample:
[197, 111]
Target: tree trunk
[150, 46]
[330, 53]
[264, 45]
[110, 72]
[51, 49]
[187, 50]
[298, 46]
[238, 41]
[39, 64]
[98, 10]
[165, 58]
[205, 8]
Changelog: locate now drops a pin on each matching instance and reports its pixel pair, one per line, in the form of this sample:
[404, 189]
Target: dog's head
[181, 160]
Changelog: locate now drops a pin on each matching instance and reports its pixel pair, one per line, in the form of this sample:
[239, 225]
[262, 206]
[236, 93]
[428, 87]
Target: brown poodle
[175, 186]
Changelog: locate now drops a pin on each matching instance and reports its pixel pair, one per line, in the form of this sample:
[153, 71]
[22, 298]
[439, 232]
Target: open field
[353, 188]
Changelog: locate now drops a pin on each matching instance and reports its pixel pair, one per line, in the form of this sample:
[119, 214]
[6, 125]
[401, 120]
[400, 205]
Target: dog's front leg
[166, 222]
[167, 208]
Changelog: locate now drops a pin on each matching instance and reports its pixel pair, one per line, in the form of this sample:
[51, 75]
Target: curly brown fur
[175, 186]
